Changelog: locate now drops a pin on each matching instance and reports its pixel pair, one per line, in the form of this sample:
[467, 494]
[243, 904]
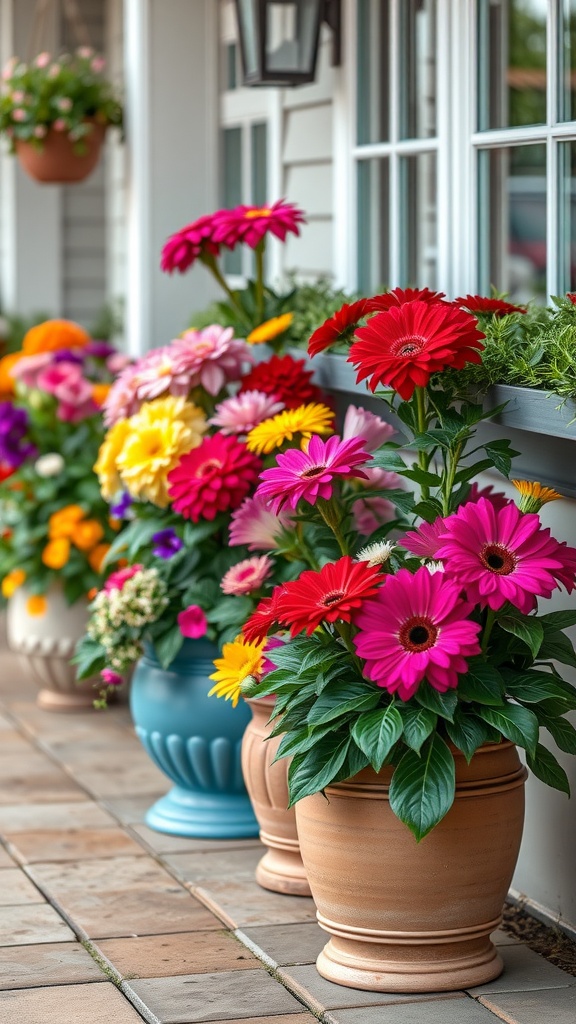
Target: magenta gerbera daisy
[398, 296]
[416, 627]
[255, 525]
[339, 327]
[214, 477]
[424, 540]
[500, 555]
[184, 247]
[311, 474]
[403, 347]
[250, 224]
[334, 593]
[247, 576]
[493, 307]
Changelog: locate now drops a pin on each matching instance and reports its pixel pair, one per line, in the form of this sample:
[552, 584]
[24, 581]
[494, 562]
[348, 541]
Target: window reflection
[417, 69]
[512, 63]
[418, 205]
[373, 104]
[373, 225]
[568, 56]
[567, 217]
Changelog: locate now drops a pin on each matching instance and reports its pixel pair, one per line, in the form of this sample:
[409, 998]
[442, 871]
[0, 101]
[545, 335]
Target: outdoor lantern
[279, 39]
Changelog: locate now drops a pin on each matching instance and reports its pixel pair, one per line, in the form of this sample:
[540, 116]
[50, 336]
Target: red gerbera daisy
[185, 246]
[572, 297]
[339, 327]
[403, 347]
[286, 379]
[398, 296]
[480, 304]
[250, 224]
[212, 478]
[264, 618]
[334, 593]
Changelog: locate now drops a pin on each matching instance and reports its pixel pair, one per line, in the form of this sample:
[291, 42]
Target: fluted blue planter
[195, 740]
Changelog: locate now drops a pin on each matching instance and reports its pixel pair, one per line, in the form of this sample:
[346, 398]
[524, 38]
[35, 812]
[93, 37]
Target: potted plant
[56, 528]
[411, 669]
[55, 112]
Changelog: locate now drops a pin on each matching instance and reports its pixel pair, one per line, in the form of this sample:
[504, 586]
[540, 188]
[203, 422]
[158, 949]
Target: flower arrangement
[398, 649]
[56, 526]
[66, 94]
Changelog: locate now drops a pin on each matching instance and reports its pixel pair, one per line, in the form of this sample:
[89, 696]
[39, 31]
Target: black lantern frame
[265, 67]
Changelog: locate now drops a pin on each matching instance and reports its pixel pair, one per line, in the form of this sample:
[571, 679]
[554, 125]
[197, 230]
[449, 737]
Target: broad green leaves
[422, 788]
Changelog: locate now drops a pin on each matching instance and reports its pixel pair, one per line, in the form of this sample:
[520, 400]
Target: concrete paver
[161, 956]
[31, 924]
[16, 888]
[71, 1004]
[31, 776]
[524, 969]
[324, 995]
[289, 944]
[546, 1006]
[32, 816]
[72, 844]
[442, 1010]
[162, 843]
[5, 859]
[62, 963]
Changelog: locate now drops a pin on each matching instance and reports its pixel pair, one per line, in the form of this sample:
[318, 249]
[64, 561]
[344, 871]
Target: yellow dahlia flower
[239, 660]
[106, 466]
[303, 421]
[158, 435]
[270, 329]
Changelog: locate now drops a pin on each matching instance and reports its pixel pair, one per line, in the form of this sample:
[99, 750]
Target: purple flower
[14, 449]
[99, 349]
[167, 543]
[121, 507]
[68, 355]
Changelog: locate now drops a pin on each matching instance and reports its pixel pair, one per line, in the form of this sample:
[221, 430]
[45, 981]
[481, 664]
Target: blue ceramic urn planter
[196, 741]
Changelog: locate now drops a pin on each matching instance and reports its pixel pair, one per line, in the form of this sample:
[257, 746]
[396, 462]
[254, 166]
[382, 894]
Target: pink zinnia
[256, 526]
[53, 376]
[241, 413]
[210, 358]
[27, 369]
[116, 580]
[501, 555]
[416, 626]
[155, 373]
[192, 622]
[111, 678]
[214, 477]
[247, 576]
[370, 513]
[184, 247]
[358, 422]
[424, 540]
[122, 399]
[311, 474]
[250, 224]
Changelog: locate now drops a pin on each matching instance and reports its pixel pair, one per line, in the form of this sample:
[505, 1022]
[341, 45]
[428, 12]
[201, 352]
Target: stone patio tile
[5, 859]
[27, 925]
[5, 723]
[14, 679]
[121, 896]
[442, 1009]
[162, 843]
[30, 777]
[30, 817]
[546, 1006]
[73, 844]
[324, 995]
[525, 970]
[131, 809]
[16, 888]
[62, 963]
[138, 774]
[289, 944]
[65, 1004]
[502, 938]
[11, 740]
[161, 956]
[283, 1018]
[211, 997]
[230, 861]
[54, 728]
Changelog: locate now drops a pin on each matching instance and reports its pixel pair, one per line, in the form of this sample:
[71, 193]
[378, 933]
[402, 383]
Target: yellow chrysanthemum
[303, 421]
[63, 522]
[270, 329]
[12, 581]
[106, 464]
[87, 534]
[533, 495]
[36, 604]
[158, 435]
[56, 553]
[239, 660]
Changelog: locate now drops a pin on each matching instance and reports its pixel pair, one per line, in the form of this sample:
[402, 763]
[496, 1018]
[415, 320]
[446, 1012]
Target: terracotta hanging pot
[57, 162]
[406, 916]
[281, 868]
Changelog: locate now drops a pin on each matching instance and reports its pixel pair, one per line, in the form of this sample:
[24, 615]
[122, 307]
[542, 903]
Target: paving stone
[162, 843]
[135, 775]
[161, 956]
[73, 844]
[210, 997]
[122, 896]
[11, 740]
[442, 1009]
[131, 809]
[54, 728]
[524, 970]
[289, 944]
[26, 925]
[5, 859]
[5, 724]
[62, 963]
[546, 1006]
[30, 777]
[68, 1004]
[283, 1018]
[502, 938]
[16, 888]
[31, 816]
[324, 995]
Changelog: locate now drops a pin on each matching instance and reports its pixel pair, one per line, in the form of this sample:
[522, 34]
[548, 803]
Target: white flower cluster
[119, 616]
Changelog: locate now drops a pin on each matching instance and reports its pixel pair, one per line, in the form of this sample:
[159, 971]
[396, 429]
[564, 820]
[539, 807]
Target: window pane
[373, 225]
[567, 217]
[231, 72]
[511, 63]
[417, 69]
[512, 221]
[259, 161]
[418, 232]
[373, 103]
[232, 188]
[568, 58]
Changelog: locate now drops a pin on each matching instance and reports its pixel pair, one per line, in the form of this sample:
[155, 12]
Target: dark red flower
[250, 224]
[480, 304]
[185, 246]
[339, 327]
[334, 593]
[398, 296]
[214, 477]
[285, 378]
[572, 297]
[264, 618]
[405, 346]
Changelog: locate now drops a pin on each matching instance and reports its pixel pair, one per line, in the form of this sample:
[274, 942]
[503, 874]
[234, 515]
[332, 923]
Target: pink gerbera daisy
[311, 474]
[214, 477]
[250, 224]
[255, 525]
[334, 593]
[247, 576]
[501, 555]
[416, 627]
[241, 413]
[369, 513]
[338, 327]
[424, 540]
[360, 422]
[210, 358]
[185, 246]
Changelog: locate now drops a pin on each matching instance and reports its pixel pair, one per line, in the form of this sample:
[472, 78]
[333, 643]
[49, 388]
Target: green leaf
[558, 620]
[562, 731]
[316, 768]
[422, 788]
[341, 698]
[422, 476]
[467, 732]
[428, 510]
[418, 724]
[353, 763]
[533, 687]
[557, 647]
[376, 732]
[517, 724]
[548, 770]
[501, 454]
[443, 704]
[528, 629]
[482, 683]
[388, 458]
[299, 740]
[168, 645]
[468, 472]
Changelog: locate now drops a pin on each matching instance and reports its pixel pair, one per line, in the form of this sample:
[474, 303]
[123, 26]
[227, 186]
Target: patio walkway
[104, 922]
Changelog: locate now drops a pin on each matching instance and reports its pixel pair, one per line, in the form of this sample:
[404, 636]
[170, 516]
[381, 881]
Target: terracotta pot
[46, 643]
[407, 916]
[281, 868]
[57, 162]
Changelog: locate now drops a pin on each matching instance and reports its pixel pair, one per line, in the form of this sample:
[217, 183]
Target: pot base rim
[207, 817]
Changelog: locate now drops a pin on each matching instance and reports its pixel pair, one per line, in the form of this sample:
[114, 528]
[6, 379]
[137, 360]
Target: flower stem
[329, 514]
[422, 421]
[259, 254]
[210, 262]
[488, 626]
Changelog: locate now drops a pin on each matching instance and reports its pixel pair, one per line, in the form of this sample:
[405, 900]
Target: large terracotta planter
[281, 868]
[406, 916]
[46, 643]
[56, 162]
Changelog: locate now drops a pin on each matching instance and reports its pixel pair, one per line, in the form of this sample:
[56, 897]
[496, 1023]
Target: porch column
[171, 65]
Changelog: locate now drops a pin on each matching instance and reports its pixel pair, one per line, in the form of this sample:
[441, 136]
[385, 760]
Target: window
[244, 180]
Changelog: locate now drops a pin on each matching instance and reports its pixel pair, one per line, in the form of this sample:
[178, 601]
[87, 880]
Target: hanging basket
[57, 162]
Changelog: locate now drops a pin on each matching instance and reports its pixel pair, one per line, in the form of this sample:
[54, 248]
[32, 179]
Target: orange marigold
[36, 604]
[56, 553]
[6, 379]
[52, 335]
[100, 393]
[86, 534]
[63, 522]
[97, 556]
